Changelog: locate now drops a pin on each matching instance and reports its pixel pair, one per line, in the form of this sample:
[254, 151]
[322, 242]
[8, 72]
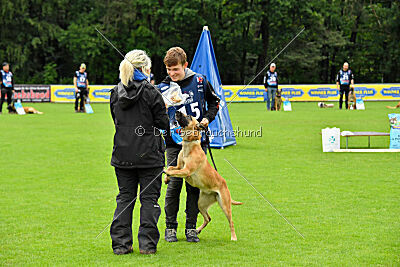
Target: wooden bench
[348, 134]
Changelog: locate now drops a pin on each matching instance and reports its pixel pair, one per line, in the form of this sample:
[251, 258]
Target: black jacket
[12, 82]
[269, 73]
[349, 75]
[138, 112]
[211, 99]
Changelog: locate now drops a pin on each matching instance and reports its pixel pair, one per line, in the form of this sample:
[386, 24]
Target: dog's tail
[236, 202]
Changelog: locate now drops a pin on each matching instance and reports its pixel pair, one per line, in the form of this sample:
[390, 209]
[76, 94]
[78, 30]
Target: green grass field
[58, 192]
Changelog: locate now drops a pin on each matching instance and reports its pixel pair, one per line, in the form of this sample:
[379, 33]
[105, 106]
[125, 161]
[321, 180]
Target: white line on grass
[266, 200]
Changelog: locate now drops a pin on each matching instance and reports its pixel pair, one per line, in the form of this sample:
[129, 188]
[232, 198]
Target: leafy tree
[45, 41]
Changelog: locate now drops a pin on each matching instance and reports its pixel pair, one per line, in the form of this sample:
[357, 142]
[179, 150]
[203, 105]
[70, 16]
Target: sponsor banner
[237, 93]
[66, 93]
[317, 92]
[32, 92]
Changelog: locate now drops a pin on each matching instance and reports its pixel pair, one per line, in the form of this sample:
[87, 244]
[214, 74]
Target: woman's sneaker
[170, 235]
[122, 251]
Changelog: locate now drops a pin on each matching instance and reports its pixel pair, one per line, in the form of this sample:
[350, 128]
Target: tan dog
[31, 110]
[278, 100]
[194, 167]
[28, 110]
[397, 106]
[352, 99]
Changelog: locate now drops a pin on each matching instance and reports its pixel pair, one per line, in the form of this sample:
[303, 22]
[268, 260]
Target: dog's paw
[166, 179]
[169, 168]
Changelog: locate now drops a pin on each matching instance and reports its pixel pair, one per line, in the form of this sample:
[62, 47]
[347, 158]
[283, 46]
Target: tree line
[45, 41]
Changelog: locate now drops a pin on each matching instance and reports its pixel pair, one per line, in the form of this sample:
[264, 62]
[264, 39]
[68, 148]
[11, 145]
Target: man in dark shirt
[271, 86]
[7, 85]
[81, 84]
[344, 80]
[203, 104]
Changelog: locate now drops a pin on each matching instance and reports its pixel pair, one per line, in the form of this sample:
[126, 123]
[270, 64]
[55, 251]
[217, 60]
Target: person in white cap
[81, 84]
[271, 86]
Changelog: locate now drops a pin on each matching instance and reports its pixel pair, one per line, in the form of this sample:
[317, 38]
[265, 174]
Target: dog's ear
[181, 119]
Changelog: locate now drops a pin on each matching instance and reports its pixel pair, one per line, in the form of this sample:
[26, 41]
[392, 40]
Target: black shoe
[191, 235]
[170, 235]
[122, 251]
[147, 252]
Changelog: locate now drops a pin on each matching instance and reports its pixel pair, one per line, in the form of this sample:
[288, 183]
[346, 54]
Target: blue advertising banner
[237, 93]
[316, 92]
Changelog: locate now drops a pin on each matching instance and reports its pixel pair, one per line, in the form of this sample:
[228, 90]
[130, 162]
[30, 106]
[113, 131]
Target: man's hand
[175, 99]
[204, 122]
[76, 90]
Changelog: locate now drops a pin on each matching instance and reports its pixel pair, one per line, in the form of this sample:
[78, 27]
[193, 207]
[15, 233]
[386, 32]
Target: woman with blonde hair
[138, 112]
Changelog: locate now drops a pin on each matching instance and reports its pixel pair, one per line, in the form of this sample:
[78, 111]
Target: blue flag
[204, 62]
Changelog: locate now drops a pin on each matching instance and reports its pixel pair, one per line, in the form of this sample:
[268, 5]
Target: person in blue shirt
[271, 86]
[344, 80]
[7, 85]
[81, 84]
[203, 104]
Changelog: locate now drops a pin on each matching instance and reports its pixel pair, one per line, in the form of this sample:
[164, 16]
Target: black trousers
[121, 228]
[173, 193]
[345, 91]
[81, 95]
[5, 92]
